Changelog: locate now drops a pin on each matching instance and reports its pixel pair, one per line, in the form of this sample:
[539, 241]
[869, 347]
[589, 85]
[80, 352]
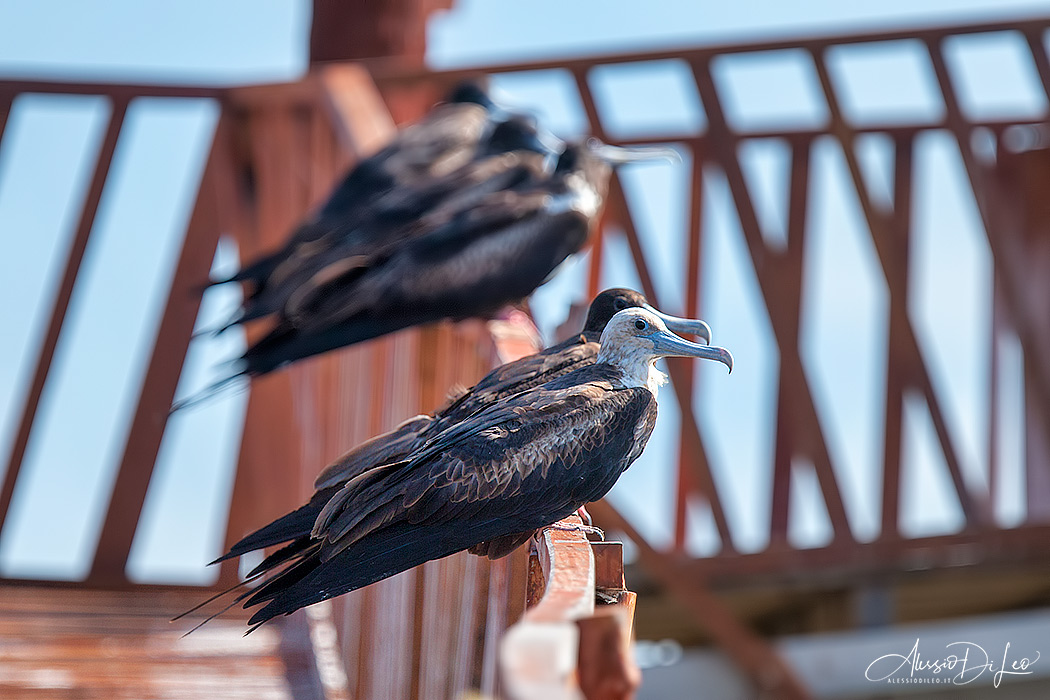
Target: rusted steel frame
[896, 349]
[1034, 37]
[686, 480]
[358, 115]
[7, 99]
[399, 71]
[616, 203]
[594, 264]
[268, 466]
[690, 432]
[61, 304]
[760, 662]
[691, 450]
[786, 283]
[722, 145]
[703, 141]
[987, 548]
[169, 352]
[120, 92]
[605, 666]
[998, 329]
[811, 433]
[598, 243]
[974, 506]
[1007, 257]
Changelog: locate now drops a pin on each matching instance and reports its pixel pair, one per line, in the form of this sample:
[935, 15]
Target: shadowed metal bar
[685, 479]
[811, 438]
[61, 304]
[396, 71]
[7, 99]
[598, 242]
[890, 259]
[786, 284]
[162, 376]
[896, 352]
[850, 563]
[690, 430]
[1007, 257]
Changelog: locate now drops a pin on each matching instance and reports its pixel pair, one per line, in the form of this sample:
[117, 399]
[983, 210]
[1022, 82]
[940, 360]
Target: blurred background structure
[859, 215]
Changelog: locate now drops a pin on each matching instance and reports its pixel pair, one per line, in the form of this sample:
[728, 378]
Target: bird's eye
[640, 325]
[619, 304]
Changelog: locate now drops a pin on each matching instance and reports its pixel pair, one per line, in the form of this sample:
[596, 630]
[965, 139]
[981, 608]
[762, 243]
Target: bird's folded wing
[514, 377]
[401, 268]
[392, 445]
[521, 460]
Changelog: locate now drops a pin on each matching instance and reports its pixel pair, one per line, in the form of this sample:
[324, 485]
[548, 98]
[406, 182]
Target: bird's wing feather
[515, 377]
[477, 485]
[527, 460]
[397, 276]
[390, 446]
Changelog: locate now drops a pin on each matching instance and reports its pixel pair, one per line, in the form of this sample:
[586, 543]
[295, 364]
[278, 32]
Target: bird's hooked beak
[667, 344]
[692, 326]
[618, 155]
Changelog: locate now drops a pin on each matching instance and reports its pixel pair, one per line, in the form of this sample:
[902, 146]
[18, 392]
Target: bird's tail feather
[384, 553]
[289, 527]
[285, 344]
[209, 392]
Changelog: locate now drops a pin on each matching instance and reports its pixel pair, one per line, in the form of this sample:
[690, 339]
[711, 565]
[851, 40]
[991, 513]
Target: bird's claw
[584, 515]
[589, 530]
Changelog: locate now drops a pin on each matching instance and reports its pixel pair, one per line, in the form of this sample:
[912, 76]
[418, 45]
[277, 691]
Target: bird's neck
[637, 369]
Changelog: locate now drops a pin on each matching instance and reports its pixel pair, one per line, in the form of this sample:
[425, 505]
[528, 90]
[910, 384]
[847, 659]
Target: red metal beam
[167, 357]
[848, 564]
[694, 443]
[781, 310]
[686, 481]
[1008, 257]
[342, 31]
[892, 260]
[61, 304]
[897, 354]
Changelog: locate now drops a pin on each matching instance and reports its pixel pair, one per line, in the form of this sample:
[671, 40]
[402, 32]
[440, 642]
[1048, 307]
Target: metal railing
[290, 141]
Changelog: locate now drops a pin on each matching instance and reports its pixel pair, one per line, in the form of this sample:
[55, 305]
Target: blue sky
[47, 149]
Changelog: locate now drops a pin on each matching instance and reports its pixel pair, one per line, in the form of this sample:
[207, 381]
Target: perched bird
[514, 467]
[443, 140]
[507, 380]
[511, 156]
[493, 252]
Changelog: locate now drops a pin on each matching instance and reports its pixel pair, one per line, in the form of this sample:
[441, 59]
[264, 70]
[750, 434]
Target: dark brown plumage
[510, 468]
[443, 140]
[504, 381]
[492, 251]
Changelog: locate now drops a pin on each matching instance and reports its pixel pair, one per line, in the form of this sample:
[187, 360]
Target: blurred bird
[513, 467]
[492, 252]
[512, 156]
[504, 381]
[443, 140]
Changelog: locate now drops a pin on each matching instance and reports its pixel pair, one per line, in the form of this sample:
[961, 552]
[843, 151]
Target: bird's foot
[584, 515]
[589, 530]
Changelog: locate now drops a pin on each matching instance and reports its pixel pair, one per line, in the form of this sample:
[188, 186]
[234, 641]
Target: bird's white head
[636, 338]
